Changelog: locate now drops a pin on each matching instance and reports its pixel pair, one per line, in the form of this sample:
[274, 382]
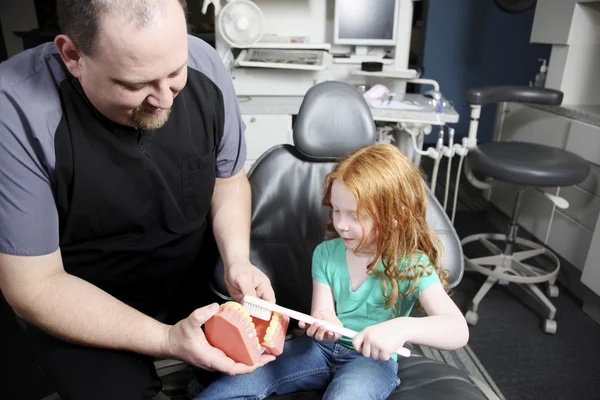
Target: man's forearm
[230, 210]
[79, 312]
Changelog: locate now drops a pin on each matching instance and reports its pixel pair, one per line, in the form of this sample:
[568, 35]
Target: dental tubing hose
[462, 151]
[438, 156]
[448, 152]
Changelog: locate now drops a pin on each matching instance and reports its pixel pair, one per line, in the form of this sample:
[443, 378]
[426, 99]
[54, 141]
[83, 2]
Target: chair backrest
[288, 221]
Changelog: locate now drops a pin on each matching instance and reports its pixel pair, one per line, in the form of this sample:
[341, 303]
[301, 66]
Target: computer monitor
[365, 23]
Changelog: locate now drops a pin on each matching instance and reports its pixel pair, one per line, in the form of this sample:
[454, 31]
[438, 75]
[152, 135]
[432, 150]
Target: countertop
[589, 114]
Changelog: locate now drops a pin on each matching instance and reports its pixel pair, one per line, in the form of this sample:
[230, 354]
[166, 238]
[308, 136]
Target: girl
[383, 259]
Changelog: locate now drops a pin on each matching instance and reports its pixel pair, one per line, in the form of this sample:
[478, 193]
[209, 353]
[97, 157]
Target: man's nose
[162, 97]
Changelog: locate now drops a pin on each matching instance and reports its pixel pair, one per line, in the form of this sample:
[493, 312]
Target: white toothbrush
[262, 309]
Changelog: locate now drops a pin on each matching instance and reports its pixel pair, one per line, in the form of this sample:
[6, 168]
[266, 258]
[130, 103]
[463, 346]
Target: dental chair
[288, 222]
[513, 259]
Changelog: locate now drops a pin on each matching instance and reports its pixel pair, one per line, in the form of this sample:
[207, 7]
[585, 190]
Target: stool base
[512, 268]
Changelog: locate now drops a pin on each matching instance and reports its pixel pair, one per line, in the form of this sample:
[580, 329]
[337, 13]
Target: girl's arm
[322, 299]
[323, 307]
[444, 328]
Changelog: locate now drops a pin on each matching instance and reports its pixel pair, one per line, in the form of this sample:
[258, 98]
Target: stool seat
[528, 164]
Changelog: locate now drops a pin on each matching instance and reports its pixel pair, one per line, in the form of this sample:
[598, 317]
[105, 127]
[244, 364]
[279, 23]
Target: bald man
[121, 159]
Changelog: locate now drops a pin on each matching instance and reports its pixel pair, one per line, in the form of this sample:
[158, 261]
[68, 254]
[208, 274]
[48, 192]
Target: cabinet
[264, 131]
[573, 233]
[591, 272]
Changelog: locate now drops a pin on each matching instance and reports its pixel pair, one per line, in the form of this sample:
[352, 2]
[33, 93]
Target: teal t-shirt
[366, 305]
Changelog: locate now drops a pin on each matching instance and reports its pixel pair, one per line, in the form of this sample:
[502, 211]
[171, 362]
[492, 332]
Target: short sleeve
[232, 151]
[28, 215]
[318, 265]
[231, 154]
[429, 276]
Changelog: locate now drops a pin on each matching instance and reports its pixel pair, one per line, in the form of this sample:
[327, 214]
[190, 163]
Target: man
[121, 149]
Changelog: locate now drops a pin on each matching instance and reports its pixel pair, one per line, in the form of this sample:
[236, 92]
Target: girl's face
[345, 218]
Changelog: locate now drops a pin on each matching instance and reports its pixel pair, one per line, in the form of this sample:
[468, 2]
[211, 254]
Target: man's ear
[69, 53]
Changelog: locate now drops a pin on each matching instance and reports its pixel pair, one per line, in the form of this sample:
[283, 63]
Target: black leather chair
[510, 258]
[288, 222]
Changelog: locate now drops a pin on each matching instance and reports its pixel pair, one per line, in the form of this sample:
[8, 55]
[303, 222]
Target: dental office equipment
[366, 23]
[262, 309]
[461, 150]
[437, 100]
[380, 96]
[448, 152]
[433, 152]
[436, 164]
[314, 60]
[540, 77]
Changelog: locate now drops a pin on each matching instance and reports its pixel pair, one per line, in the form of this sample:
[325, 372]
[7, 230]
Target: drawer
[570, 239]
[264, 131]
[584, 140]
[584, 207]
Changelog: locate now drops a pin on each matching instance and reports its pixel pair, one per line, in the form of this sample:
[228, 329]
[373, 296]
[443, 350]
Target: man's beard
[146, 121]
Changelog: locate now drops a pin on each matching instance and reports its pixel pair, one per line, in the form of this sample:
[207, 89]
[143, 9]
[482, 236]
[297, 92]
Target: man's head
[130, 56]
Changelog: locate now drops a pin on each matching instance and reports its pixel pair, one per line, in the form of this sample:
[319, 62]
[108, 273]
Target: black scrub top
[129, 208]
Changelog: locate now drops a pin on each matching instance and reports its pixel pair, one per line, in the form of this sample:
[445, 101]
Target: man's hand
[379, 341]
[245, 279]
[319, 332]
[186, 341]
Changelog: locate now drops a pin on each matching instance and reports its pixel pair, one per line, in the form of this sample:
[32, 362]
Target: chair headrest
[334, 119]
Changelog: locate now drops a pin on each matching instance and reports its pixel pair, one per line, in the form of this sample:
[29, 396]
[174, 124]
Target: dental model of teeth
[242, 337]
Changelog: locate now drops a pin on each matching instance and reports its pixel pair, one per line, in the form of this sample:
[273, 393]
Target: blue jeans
[305, 365]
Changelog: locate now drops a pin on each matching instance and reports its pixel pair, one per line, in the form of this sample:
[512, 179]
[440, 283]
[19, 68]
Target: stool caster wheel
[550, 326]
[552, 291]
[471, 317]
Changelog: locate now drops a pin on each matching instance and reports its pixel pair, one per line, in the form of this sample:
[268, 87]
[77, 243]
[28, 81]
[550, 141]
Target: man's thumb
[201, 315]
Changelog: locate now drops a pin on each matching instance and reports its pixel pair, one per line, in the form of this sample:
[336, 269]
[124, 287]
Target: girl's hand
[319, 332]
[379, 341]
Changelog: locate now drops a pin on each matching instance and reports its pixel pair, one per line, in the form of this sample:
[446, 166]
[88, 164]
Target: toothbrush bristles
[257, 311]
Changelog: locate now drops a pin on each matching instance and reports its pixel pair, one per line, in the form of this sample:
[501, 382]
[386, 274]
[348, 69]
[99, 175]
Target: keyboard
[283, 59]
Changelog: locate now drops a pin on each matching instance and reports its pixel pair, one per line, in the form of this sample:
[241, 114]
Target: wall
[16, 15]
[472, 42]
[575, 55]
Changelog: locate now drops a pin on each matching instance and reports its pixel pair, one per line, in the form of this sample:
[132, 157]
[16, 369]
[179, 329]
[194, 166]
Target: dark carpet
[525, 362]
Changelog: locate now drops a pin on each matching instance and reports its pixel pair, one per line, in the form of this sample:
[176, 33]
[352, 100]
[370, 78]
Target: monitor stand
[363, 53]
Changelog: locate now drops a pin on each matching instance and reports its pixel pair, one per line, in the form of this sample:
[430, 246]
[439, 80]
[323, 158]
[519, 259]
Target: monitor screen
[364, 22]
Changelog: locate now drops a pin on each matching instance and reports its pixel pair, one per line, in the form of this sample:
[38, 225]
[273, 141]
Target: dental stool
[526, 165]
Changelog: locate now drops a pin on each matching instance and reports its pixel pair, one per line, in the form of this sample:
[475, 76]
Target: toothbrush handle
[403, 351]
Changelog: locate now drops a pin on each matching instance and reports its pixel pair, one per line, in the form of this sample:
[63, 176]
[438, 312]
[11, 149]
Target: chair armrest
[518, 94]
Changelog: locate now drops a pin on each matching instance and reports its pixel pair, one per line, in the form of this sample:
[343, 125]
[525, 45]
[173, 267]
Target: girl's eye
[335, 211]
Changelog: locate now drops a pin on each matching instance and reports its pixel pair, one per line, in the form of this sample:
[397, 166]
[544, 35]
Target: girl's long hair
[389, 189]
